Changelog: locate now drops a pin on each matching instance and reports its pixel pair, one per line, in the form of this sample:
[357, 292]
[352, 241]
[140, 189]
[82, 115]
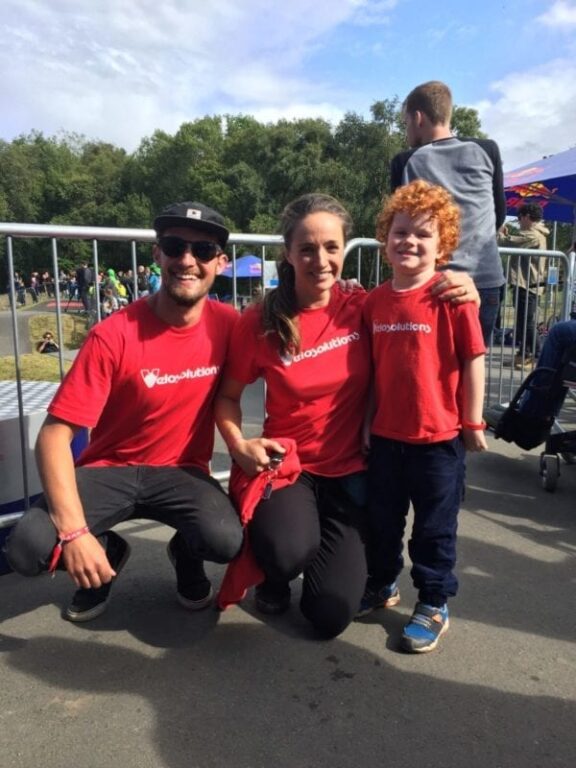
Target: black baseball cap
[195, 216]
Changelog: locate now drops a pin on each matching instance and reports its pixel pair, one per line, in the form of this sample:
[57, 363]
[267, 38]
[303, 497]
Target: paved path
[149, 686]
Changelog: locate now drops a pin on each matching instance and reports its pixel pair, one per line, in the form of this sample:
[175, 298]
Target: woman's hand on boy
[457, 287]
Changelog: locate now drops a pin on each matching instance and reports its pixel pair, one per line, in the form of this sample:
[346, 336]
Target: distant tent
[550, 182]
[246, 266]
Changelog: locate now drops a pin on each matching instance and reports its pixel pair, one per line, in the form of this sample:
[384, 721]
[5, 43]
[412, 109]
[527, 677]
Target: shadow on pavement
[239, 697]
[148, 685]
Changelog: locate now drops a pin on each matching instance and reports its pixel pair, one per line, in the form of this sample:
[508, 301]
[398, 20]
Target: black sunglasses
[175, 247]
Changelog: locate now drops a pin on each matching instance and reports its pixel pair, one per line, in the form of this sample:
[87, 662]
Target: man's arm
[498, 186]
[524, 239]
[396, 170]
[84, 558]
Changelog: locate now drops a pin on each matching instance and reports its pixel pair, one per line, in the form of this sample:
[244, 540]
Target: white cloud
[118, 70]
[561, 15]
[373, 12]
[295, 111]
[454, 31]
[533, 113]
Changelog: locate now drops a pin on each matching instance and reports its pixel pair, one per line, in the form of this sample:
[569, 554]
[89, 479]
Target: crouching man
[144, 383]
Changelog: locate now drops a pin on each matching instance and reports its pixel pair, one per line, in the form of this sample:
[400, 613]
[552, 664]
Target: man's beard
[182, 300]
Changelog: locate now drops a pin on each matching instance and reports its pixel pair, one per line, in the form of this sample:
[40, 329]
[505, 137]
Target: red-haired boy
[429, 390]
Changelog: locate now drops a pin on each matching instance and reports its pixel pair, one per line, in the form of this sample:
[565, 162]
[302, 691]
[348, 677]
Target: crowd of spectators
[116, 288]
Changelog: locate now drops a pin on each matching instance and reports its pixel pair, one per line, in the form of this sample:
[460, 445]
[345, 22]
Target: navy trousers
[431, 477]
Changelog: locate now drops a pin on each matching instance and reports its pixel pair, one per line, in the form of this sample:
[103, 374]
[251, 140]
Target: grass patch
[33, 367]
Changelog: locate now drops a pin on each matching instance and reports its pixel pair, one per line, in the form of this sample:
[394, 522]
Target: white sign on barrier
[36, 395]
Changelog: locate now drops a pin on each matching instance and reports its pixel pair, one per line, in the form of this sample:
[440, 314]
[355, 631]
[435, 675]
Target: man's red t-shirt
[147, 388]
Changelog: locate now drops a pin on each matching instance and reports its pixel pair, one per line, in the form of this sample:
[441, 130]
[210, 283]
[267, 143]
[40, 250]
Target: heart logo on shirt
[150, 376]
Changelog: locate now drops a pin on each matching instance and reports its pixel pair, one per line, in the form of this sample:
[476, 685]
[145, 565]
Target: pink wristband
[475, 427]
[64, 538]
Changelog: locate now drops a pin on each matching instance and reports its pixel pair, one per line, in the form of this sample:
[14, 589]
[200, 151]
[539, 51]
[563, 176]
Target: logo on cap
[193, 213]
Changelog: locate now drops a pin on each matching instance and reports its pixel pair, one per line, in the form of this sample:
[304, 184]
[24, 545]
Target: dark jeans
[185, 499]
[431, 476]
[490, 300]
[84, 296]
[526, 306]
[548, 397]
[313, 527]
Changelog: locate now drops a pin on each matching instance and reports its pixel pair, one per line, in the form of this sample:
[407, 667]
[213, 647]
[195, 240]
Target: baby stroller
[530, 418]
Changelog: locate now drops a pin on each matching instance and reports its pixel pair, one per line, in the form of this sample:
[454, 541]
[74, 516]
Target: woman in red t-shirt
[306, 340]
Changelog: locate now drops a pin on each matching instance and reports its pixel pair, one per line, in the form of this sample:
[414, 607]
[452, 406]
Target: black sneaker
[194, 590]
[272, 598]
[87, 604]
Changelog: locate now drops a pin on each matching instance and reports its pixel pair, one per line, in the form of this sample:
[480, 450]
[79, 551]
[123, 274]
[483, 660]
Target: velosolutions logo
[408, 327]
[321, 349]
[152, 376]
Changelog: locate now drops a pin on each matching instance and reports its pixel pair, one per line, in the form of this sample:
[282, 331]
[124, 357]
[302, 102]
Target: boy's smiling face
[413, 245]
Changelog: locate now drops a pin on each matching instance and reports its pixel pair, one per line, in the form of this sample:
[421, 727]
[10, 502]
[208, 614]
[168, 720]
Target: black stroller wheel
[549, 471]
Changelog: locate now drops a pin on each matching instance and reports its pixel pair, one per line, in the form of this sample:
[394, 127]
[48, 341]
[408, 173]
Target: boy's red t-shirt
[317, 397]
[147, 389]
[419, 345]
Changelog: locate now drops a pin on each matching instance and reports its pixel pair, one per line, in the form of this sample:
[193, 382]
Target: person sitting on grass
[47, 344]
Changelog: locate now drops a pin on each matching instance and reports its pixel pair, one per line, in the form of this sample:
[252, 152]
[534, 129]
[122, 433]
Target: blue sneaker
[378, 597]
[425, 628]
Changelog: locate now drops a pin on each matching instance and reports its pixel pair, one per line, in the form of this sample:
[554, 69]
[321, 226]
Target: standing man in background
[84, 279]
[529, 277]
[471, 170]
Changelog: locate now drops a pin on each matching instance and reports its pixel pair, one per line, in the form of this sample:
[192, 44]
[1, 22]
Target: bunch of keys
[275, 460]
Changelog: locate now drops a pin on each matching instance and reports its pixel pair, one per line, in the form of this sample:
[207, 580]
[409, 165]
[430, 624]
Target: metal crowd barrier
[551, 299]
[53, 234]
[554, 304]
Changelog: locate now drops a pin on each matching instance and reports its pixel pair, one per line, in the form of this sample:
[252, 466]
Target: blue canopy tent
[246, 266]
[550, 182]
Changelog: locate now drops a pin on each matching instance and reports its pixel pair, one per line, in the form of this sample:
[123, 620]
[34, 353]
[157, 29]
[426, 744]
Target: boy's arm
[473, 400]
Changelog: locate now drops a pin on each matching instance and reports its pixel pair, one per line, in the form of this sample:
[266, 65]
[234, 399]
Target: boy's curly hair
[420, 197]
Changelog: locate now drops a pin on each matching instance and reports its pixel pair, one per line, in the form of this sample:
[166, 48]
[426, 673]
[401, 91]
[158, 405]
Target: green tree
[466, 123]
[186, 166]
[366, 148]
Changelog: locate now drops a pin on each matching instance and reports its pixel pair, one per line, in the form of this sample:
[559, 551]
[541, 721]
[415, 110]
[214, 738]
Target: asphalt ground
[148, 685]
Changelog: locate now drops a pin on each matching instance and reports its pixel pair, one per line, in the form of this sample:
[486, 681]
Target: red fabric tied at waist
[246, 492]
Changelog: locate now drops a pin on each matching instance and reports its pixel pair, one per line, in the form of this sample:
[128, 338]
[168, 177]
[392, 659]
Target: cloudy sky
[117, 70]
